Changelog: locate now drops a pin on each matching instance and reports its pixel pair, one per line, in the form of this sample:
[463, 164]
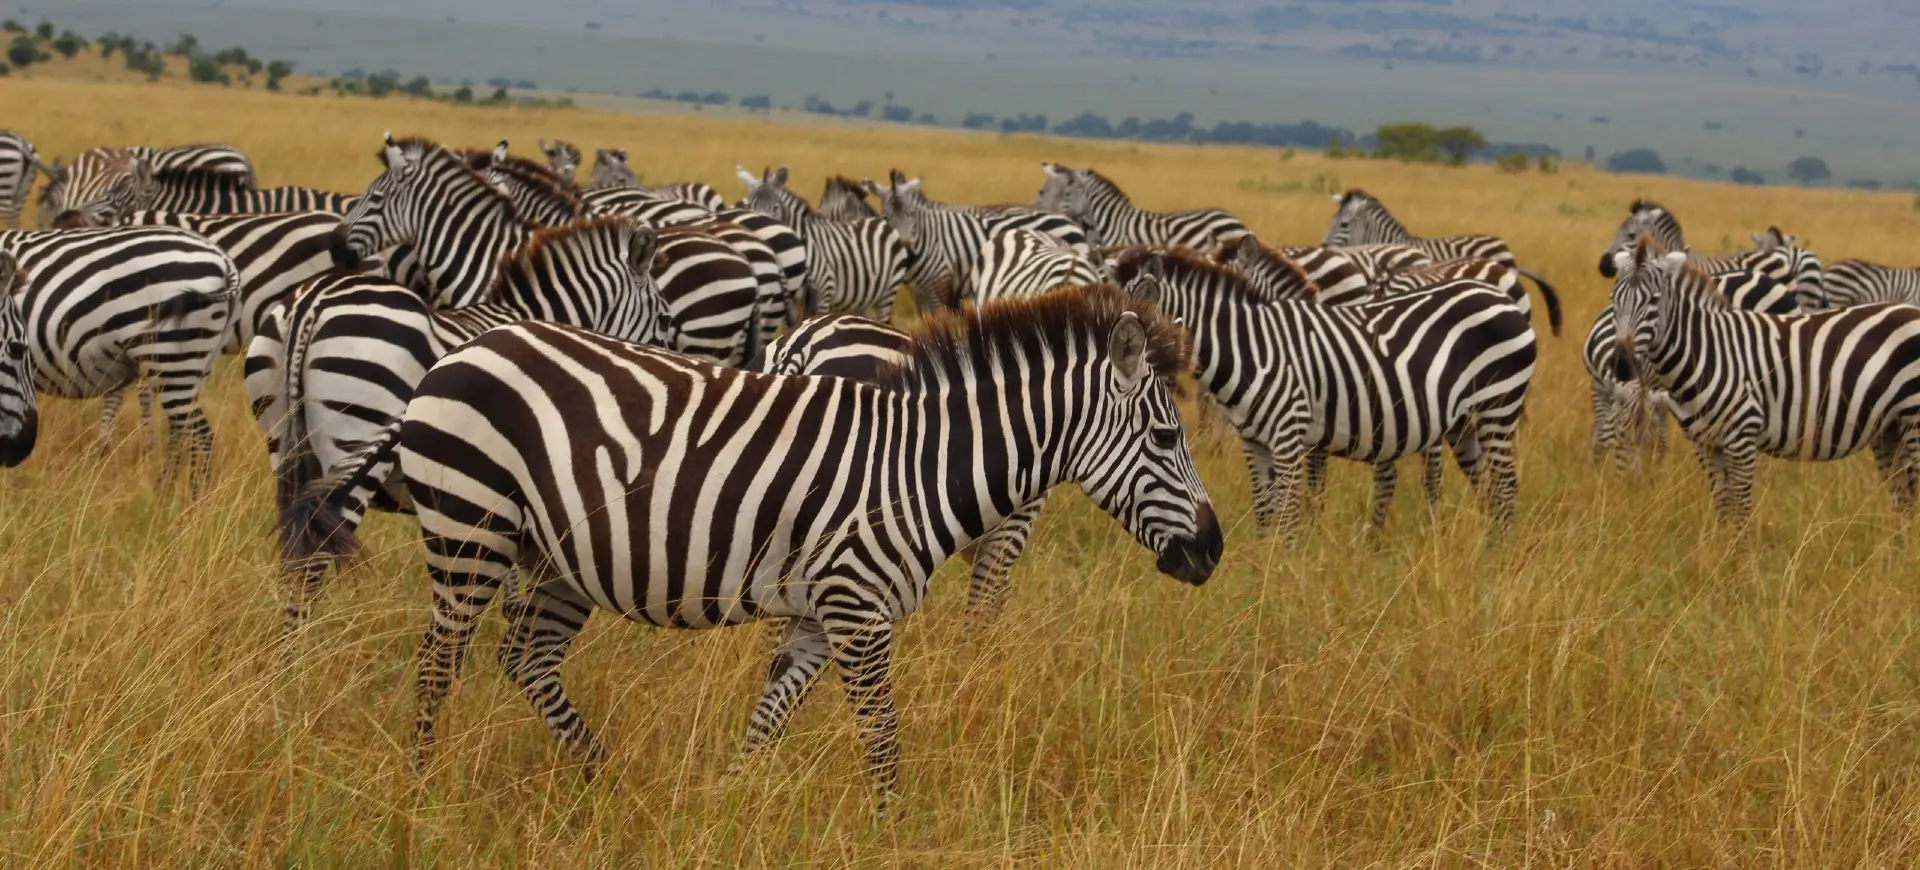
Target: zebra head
[769, 196]
[1269, 271]
[1132, 458]
[562, 157]
[19, 406]
[610, 169]
[1646, 274]
[1644, 218]
[1351, 224]
[99, 189]
[1053, 192]
[386, 215]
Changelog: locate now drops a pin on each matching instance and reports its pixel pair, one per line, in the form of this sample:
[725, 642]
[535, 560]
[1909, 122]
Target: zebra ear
[500, 152]
[396, 158]
[9, 268]
[1674, 259]
[1127, 348]
[1146, 288]
[1247, 255]
[868, 185]
[646, 240]
[746, 177]
[780, 177]
[1340, 199]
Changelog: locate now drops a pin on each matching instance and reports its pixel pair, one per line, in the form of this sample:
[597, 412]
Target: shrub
[1549, 164]
[757, 101]
[69, 45]
[1743, 175]
[381, 85]
[44, 31]
[206, 70]
[1808, 170]
[419, 86]
[185, 45]
[1512, 162]
[22, 52]
[499, 96]
[1636, 160]
[464, 95]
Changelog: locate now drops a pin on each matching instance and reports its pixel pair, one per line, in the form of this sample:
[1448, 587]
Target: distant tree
[1407, 140]
[861, 109]
[22, 52]
[381, 85]
[1511, 162]
[44, 31]
[715, 98]
[1743, 175]
[276, 71]
[5, 70]
[206, 70]
[688, 96]
[1808, 170]
[818, 106]
[1636, 160]
[69, 45]
[977, 121]
[108, 44]
[928, 119]
[1459, 143]
[464, 95]
[896, 114]
[525, 84]
[1086, 125]
[499, 96]
[419, 86]
[12, 26]
[235, 56]
[757, 101]
[185, 45]
[498, 82]
[1864, 184]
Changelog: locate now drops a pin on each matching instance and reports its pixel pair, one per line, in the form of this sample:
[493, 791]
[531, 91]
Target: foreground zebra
[19, 402]
[105, 308]
[1374, 383]
[1817, 386]
[824, 501]
[1774, 253]
[355, 345]
[19, 163]
[1109, 217]
[852, 267]
[1857, 282]
[1361, 219]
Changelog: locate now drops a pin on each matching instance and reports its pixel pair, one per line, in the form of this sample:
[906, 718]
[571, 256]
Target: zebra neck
[1680, 315]
[1386, 230]
[461, 264]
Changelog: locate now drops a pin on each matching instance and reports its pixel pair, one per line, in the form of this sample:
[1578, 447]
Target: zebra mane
[1093, 176]
[845, 185]
[1185, 263]
[1643, 204]
[548, 242]
[540, 179]
[1354, 194]
[1052, 320]
[462, 161]
[421, 146]
[1688, 278]
[1270, 258]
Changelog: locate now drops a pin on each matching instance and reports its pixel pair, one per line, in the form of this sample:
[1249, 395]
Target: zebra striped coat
[844, 199]
[1774, 253]
[1811, 386]
[1361, 219]
[1857, 282]
[104, 184]
[1372, 382]
[19, 401]
[852, 268]
[107, 307]
[824, 501]
[948, 240]
[1109, 217]
[1332, 273]
[274, 253]
[19, 163]
[355, 346]
[1019, 263]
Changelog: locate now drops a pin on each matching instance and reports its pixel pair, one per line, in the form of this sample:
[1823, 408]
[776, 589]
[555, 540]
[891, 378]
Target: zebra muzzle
[15, 448]
[1192, 560]
[344, 256]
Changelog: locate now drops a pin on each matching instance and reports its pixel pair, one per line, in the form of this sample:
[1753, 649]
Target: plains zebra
[19, 401]
[712, 293]
[357, 344]
[458, 225]
[612, 172]
[104, 185]
[844, 199]
[825, 501]
[849, 346]
[1332, 273]
[1371, 382]
[1109, 217]
[1856, 282]
[1774, 253]
[610, 169]
[107, 307]
[1361, 219]
[851, 267]
[1627, 415]
[947, 240]
[274, 253]
[1811, 386]
[1017, 263]
[19, 163]
[563, 158]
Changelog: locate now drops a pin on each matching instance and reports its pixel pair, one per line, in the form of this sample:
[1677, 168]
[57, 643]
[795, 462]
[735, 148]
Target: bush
[1549, 164]
[185, 45]
[206, 70]
[419, 86]
[1743, 175]
[464, 95]
[5, 70]
[757, 101]
[69, 45]
[22, 53]
[714, 98]
[1808, 170]
[381, 85]
[1636, 160]
[12, 26]
[1512, 162]
[44, 31]
[499, 96]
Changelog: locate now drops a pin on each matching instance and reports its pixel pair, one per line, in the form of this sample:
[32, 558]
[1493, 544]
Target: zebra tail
[298, 467]
[1547, 296]
[313, 522]
[169, 311]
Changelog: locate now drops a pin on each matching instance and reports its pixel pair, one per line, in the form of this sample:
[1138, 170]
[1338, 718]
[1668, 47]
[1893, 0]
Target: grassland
[1617, 683]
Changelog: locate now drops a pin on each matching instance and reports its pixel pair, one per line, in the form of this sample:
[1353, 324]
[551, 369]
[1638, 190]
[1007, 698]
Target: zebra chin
[18, 445]
[344, 256]
[1607, 268]
[1192, 560]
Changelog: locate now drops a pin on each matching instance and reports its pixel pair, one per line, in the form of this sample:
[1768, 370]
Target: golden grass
[1619, 683]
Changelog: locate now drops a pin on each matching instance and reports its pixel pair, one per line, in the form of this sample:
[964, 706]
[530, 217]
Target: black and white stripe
[1809, 386]
[947, 240]
[1332, 274]
[712, 293]
[1774, 253]
[340, 361]
[19, 164]
[826, 502]
[19, 401]
[852, 268]
[845, 199]
[1372, 382]
[1361, 219]
[1018, 263]
[1857, 282]
[1109, 217]
[103, 185]
[107, 307]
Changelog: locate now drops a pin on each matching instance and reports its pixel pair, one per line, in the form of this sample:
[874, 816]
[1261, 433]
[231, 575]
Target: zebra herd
[696, 414]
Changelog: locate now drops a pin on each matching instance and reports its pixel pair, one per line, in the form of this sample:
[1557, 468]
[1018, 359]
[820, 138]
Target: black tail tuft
[1548, 297]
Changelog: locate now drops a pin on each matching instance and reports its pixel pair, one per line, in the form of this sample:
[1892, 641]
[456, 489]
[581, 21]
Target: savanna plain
[1616, 682]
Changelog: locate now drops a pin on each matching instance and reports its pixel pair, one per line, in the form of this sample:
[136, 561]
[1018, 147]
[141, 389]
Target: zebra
[1856, 282]
[355, 346]
[1370, 382]
[1018, 263]
[1625, 412]
[107, 307]
[1361, 219]
[612, 172]
[610, 169]
[19, 163]
[849, 346]
[563, 158]
[1774, 252]
[826, 502]
[1810, 386]
[845, 200]
[1331, 272]
[1109, 217]
[19, 402]
[947, 240]
[851, 267]
[458, 225]
[104, 184]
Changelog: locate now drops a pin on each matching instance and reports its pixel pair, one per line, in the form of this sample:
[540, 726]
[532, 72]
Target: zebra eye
[16, 348]
[1165, 437]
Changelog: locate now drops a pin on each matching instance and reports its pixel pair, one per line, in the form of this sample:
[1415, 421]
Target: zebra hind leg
[109, 415]
[803, 650]
[1432, 465]
[863, 654]
[189, 440]
[459, 599]
[540, 626]
[1385, 478]
[1894, 453]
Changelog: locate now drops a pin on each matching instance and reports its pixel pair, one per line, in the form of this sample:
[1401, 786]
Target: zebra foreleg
[109, 415]
[797, 660]
[1385, 478]
[1289, 466]
[993, 564]
[540, 626]
[1432, 467]
[1316, 473]
[1894, 454]
[1260, 477]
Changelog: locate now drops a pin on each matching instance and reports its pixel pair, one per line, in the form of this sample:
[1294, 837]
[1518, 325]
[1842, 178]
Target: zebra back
[19, 401]
[1857, 282]
[1109, 217]
[19, 163]
[835, 345]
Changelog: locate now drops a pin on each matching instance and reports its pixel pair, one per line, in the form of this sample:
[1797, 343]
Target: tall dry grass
[1617, 683]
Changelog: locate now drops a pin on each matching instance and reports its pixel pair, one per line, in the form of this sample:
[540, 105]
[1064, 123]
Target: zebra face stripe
[19, 405]
[1643, 272]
